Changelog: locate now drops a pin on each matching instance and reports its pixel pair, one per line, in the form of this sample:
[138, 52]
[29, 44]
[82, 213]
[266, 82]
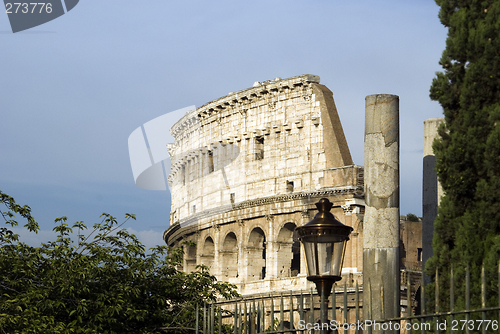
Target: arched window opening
[259, 148]
[190, 256]
[183, 175]
[288, 249]
[210, 162]
[230, 256]
[207, 257]
[295, 267]
[256, 254]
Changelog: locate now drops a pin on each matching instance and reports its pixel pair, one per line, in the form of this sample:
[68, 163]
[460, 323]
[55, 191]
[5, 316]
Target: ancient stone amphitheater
[247, 169]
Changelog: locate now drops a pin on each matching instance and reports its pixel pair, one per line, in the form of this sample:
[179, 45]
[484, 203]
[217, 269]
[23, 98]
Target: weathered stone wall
[411, 252]
[247, 169]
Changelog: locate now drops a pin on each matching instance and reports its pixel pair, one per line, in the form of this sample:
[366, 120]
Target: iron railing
[305, 311]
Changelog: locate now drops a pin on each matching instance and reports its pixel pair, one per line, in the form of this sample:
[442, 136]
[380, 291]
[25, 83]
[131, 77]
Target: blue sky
[72, 90]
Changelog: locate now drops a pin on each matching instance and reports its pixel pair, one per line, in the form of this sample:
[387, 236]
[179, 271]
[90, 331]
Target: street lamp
[324, 239]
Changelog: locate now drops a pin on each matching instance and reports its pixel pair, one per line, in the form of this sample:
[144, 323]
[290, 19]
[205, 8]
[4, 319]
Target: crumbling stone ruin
[247, 169]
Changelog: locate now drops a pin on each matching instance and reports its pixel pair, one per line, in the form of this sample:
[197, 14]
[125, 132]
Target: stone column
[381, 277]
[216, 266]
[431, 189]
[242, 252]
[303, 268]
[271, 254]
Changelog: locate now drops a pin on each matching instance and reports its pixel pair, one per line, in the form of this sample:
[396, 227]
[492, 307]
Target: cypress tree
[467, 229]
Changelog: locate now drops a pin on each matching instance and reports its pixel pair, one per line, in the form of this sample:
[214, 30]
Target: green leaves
[102, 282]
[23, 211]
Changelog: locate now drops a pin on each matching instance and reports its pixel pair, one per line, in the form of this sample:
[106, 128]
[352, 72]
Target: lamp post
[324, 239]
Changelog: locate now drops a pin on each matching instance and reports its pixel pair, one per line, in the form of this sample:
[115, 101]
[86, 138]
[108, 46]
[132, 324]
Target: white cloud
[148, 238]
[32, 238]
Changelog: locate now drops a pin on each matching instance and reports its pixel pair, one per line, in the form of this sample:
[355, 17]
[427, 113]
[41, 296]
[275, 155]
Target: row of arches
[249, 259]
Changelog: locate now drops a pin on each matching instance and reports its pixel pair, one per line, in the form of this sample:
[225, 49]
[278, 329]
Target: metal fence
[304, 311]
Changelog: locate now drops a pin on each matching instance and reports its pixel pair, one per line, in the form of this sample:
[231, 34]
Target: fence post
[212, 318]
[422, 301]
[345, 306]
[408, 297]
[422, 294]
[235, 327]
[205, 323]
[197, 319]
[369, 306]
[452, 294]
[382, 301]
[483, 296]
[263, 327]
[334, 305]
[272, 313]
[311, 309]
[281, 312]
[323, 312]
[437, 300]
[252, 317]
[240, 317]
[301, 306]
[436, 292]
[467, 296]
[247, 322]
[220, 320]
[357, 307]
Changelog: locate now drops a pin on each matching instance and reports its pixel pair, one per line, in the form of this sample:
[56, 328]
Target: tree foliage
[412, 217]
[467, 229]
[104, 282]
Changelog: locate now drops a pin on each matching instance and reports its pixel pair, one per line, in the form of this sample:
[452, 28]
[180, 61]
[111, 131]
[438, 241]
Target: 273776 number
[474, 325]
[25, 7]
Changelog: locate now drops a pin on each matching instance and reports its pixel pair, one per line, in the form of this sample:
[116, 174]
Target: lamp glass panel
[309, 250]
[324, 254]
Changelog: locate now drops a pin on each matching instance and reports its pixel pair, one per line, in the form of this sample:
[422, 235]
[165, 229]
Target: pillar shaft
[431, 189]
[381, 277]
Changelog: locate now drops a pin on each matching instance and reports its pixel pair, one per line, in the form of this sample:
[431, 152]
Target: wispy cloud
[148, 238]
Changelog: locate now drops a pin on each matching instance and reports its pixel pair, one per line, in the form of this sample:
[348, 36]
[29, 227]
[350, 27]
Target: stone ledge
[188, 221]
[192, 117]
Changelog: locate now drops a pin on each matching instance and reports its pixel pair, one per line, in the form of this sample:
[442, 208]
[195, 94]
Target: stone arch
[229, 256]
[256, 254]
[288, 251]
[190, 257]
[230, 242]
[208, 252]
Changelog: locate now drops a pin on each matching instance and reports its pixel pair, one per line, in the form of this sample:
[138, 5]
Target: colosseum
[247, 169]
